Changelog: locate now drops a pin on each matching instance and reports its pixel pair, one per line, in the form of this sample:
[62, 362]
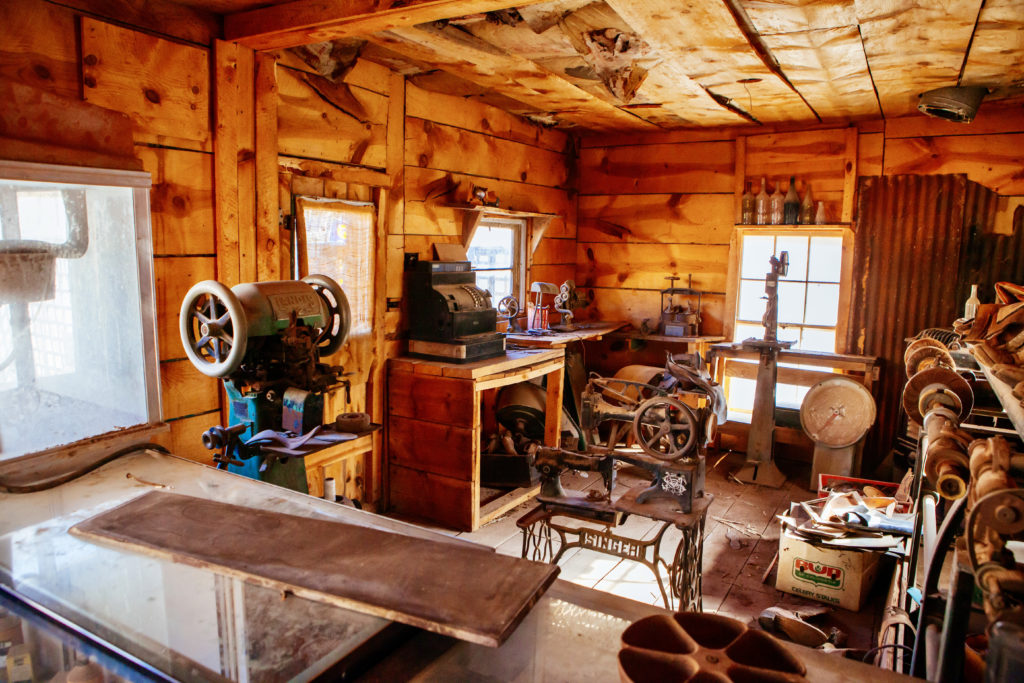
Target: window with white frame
[809, 300]
[496, 254]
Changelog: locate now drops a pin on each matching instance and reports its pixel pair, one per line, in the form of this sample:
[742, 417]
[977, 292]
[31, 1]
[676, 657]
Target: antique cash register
[450, 318]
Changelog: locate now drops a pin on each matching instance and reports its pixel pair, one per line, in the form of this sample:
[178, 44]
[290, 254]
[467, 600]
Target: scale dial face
[837, 412]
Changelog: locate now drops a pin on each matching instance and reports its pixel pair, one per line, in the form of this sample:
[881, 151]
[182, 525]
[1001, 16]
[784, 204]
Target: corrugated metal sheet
[906, 266]
[988, 257]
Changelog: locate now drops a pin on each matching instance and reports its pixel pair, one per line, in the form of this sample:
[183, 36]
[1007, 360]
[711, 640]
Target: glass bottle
[807, 208]
[791, 204]
[761, 205]
[819, 215]
[971, 307]
[775, 206]
[747, 206]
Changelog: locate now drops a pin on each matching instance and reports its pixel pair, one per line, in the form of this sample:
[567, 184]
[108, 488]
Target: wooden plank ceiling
[647, 65]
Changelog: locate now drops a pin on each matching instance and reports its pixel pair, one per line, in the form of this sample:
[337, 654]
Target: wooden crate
[434, 430]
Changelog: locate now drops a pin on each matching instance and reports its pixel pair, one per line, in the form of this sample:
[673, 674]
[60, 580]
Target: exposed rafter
[477, 61]
[313, 21]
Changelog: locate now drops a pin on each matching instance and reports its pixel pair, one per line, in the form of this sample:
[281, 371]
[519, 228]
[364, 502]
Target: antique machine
[265, 341]
[566, 301]
[679, 316]
[671, 436]
[450, 318]
[760, 467]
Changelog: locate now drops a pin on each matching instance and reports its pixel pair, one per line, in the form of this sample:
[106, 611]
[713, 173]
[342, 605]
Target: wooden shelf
[1011, 404]
[498, 211]
[783, 226]
[474, 214]
[666, 339]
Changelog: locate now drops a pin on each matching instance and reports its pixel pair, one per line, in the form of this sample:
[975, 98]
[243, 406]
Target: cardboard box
[831, 575]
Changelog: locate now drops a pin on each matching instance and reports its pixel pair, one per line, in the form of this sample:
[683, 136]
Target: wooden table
[351, 465]
[434, 432]
[690, 344]
[552, 339]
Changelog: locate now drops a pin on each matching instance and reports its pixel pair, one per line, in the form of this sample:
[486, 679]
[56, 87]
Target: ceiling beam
[304, 22]
[477, 61]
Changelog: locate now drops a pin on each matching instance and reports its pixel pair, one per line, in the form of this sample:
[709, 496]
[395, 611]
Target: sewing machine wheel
[665, 428]
[339, 313]
[213, 328]
[508, 307]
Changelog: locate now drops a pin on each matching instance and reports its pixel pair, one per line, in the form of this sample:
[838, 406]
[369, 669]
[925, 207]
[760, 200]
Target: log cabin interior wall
[230, 136]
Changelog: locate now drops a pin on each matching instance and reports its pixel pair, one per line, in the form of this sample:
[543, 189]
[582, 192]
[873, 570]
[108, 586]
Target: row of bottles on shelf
[776, 208]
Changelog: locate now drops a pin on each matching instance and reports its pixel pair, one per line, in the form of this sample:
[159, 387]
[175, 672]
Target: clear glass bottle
[807, 208]
[775, 205]
[761, 205]
[819, 215]
[791, 204]
[971, 307]
[747, 206]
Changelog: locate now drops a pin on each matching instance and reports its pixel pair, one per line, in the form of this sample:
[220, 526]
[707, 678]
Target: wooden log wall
[231, 137]
[652, 205]
[162, 82]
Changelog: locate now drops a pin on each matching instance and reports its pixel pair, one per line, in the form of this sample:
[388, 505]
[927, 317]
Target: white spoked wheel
[214, 329]
[508, 307]
[665, 428]
[339, 314]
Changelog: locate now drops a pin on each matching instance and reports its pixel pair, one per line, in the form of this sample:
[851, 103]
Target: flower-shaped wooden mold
[703, 648]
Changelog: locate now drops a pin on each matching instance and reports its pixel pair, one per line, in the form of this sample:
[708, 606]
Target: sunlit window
[495, 254]
[809, 297]
[339, 238]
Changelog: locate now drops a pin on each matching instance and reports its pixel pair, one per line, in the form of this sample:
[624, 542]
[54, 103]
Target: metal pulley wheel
[953, 382]
[924, 357]
[665, 428]
[837, 412]
[214, 329]
[339, 314]
[921, 343]
[508, 307]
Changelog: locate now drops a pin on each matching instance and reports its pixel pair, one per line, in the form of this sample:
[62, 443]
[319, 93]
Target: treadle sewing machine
[670, 438]
[670, 434]
[265, 341]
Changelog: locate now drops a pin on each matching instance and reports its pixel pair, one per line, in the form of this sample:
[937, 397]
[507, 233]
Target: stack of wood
[996, 335]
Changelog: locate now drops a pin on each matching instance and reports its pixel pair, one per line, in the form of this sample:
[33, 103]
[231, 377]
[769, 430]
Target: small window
[338, 240]
[496, 255]
[77, 337]
[809, 300]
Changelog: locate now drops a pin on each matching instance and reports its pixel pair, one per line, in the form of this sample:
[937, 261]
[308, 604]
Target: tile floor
[741, 537]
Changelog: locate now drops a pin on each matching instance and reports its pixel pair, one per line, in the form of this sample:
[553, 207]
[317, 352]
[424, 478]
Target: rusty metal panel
[906, 266]
[988, 257]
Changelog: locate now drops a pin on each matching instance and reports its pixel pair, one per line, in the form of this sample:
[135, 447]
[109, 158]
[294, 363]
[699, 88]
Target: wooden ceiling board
[302, 22]
[543, 16]
[554, 51]
[702, 37]
[829, 69]
[914, 46]
[788, 16]
[996, 52]
[666, 83]
[479, 62]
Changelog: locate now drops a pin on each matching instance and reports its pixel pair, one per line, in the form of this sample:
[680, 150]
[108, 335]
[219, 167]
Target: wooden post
[850, 178]
[739, 178]
[269, 254]
[225, 169]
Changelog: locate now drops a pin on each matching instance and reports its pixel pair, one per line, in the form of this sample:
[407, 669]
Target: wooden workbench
[552, 339]
[434, 432]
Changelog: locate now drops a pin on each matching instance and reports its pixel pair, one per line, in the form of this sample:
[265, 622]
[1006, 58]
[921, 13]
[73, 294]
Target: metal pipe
[928, 503]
